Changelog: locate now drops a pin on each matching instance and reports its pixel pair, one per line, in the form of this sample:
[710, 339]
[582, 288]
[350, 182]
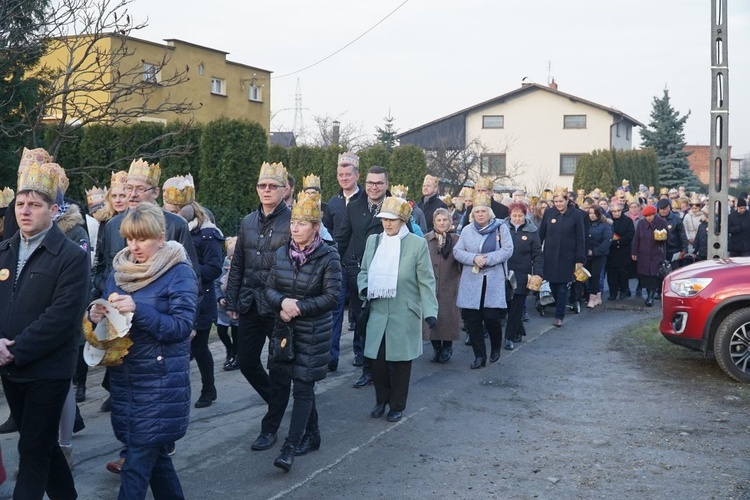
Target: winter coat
[700, 245]
[739, 232]
[42, 312]
[676, 238]
[258, 239]
[351, 236]
[428, 206]
[71, 223]
[150, 390]
[527, 255]
[111, 242]
[316, 285]
[564, 242]
[598, 239]
[220, 290]
[208, 242]
[470, 289]
[399, 320]
[333, 216]
[619, 249]
[691, 222]
[447, 273]
[648, 251]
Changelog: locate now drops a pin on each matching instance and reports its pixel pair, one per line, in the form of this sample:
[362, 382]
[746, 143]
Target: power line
[345, 46]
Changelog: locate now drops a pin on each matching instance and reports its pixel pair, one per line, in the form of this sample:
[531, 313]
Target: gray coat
[470, 289]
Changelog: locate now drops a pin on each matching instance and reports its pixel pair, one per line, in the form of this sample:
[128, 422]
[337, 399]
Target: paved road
[566, 415]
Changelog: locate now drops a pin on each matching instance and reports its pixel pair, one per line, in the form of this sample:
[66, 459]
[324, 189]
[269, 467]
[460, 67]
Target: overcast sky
[434, 57]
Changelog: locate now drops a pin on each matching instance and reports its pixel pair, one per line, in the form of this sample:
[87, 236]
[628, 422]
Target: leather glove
[431, 321]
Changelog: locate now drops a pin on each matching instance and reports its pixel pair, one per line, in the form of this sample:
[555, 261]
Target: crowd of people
[408, 272]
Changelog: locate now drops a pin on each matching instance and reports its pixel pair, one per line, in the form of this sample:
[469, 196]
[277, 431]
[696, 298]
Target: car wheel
[732, 345]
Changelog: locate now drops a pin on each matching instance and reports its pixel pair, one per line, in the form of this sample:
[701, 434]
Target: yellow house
[120, 79]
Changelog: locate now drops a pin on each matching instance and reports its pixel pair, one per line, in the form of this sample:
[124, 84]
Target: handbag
[282, 350]
[665, 267]
[364, 316]
[510, 284]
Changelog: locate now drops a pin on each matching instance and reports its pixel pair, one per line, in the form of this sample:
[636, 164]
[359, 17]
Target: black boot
[310, 442]
[286, 459]
[435, 358]
[650, 298]
[445, 354]
[9, 426]
[81, 393]
[208, 396]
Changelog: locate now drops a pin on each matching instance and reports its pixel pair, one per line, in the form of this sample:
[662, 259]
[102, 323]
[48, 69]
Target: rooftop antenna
[549, 72]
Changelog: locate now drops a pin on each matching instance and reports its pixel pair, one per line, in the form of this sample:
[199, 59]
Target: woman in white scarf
[398, 280]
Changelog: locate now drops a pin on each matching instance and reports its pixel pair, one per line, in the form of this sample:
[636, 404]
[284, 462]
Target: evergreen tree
[665, 135]
[387, 135]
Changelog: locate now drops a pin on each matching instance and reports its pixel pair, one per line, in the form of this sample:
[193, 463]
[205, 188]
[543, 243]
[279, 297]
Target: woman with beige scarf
[153, 279]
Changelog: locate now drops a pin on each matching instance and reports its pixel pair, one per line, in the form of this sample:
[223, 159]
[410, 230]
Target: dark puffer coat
[527, 255]
[151, 390]
[208, 241]
[259, 238]
[316, 286]
[598, 238]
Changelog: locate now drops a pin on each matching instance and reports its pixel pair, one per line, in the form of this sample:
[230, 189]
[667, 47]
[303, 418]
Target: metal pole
[718, 186]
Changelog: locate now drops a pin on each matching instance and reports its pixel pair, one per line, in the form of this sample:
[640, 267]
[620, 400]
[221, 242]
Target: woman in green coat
[397, 278]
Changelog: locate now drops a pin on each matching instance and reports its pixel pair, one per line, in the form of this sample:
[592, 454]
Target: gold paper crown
[396, 206]
[307, 207]
[44, 178]
[560, 191]
[312, 181]
[481, 200]
[400, 190]
[143, 171]
[119, 179]
[663, 191]
[274, 171]
[484, 183]
[6, 196]
[446, 199]
[179, 190]
[229, 244]
[64, 181]
[95, 198]
[349, 158]
[466, 193]
[431, 179]
[39, 156]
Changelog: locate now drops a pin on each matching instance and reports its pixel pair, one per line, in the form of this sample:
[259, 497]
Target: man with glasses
[347, 175]
[261, 233]
[358, 224]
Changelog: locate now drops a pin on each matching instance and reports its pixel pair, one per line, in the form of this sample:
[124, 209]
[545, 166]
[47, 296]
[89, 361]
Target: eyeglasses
[138, 189]
[272, 187]
[374, 183]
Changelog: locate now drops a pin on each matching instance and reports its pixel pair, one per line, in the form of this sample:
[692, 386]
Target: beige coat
[447, 277]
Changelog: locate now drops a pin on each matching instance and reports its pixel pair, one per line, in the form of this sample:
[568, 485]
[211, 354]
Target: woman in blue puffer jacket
[153, 279]
[598, 241]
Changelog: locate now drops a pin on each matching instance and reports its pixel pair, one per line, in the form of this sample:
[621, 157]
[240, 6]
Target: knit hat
[648, 210]
[741, 202]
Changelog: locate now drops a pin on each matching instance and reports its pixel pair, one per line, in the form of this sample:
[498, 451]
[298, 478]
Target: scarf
[445, 243]
[299, 257]
[131, 276]
[489, 244]
[382, 275]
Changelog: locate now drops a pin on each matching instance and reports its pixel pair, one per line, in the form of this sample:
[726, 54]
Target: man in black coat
[358, 224]
[430, 201]
[347, 175]
[44, 278]
[677, 242]
[739, 230]
[261, 233]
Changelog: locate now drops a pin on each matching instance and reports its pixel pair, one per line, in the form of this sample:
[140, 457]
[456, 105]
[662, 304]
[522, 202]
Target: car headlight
[689, 287]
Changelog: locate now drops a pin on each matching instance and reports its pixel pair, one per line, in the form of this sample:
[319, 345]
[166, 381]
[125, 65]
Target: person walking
[397, 279]
[598, 240]
[303, 289]
[483, 248]
[648, 252]
[618, 260]
[430, 200]
[447, 271]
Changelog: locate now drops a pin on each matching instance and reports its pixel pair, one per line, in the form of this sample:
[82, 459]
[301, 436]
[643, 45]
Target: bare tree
[97, 77]
[351, 135]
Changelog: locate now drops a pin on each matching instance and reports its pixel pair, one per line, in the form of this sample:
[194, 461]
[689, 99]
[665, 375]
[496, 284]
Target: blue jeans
[560, 294]
[146, 465]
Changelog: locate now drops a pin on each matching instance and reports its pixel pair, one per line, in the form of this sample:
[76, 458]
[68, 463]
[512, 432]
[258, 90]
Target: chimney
[553, 84]
[336, 134]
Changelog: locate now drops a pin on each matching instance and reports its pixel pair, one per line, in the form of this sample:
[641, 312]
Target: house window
[493, 164]
[618, 129]
[201, 69]
[217, 86]
[150, 73]
[628, 132]
[493, 121]
[574, 121]
[254, 94]
[568, 164]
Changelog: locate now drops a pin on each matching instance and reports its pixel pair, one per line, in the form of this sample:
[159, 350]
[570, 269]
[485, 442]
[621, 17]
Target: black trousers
[253, 331]
[514, 328]
[304, 412]
[617, 279]
[36, 406]
[391, 380]
[82, 369]
[280, 380]
[203, 357]
[230, 342]
[477, 319]
[595, 265]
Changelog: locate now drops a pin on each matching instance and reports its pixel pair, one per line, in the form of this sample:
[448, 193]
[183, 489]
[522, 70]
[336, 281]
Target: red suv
[706, 307]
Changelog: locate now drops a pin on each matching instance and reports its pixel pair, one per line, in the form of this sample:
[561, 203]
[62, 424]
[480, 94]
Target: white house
[530, 137]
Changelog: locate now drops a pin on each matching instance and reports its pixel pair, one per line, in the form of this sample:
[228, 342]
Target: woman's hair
[538, 208]
[441, 211]
[598, 212]
[194, 211]
[517, 205]
[144, 222]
